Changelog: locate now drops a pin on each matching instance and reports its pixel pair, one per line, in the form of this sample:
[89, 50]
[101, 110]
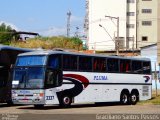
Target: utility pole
[155, 77]
[76, 33]
[116, 40]
[68, 23]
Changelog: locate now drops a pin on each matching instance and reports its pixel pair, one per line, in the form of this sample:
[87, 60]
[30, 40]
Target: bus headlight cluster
[14, 95]
[38, 94]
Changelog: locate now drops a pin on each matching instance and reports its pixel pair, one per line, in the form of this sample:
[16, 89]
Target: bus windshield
[31, 60]
[28, 77]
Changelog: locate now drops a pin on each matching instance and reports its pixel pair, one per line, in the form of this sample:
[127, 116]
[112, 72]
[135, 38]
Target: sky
[47, 17]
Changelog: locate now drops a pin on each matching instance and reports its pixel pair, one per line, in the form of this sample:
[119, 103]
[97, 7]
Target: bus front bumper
[28, 97]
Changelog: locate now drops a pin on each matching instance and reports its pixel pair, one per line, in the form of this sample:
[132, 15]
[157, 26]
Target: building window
[130, 38]
[130, 13]
[144, 38]
[146, 23]
[130, 1]
[130, 25]
[146, 10]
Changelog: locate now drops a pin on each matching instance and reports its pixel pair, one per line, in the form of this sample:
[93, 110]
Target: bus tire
[10, 103]
[65, 101]
[125, 98]
[134, 97]
[38, 106]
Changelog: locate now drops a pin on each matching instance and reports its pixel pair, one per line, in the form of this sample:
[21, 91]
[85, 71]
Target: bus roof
[5, 47]
[49, 52]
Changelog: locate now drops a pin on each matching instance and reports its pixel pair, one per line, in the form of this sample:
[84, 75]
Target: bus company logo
[100, 78]
[24, 92]
[147, 78]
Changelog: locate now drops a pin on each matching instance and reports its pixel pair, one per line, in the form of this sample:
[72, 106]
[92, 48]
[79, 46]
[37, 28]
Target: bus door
[53, 79]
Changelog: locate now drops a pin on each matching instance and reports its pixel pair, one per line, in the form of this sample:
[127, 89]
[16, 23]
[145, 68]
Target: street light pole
[117, 40]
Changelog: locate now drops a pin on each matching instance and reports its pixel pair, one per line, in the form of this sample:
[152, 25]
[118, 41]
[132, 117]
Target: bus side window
[70, 62]
[125, 66]
[137, 67]
[146, 68]
[112, 65]
[54, 62]
[85, 63]
[54, 78]
[99, 65]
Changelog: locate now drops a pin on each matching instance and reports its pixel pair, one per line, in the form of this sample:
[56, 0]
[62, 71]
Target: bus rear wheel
[134, 98]
[10, 103]
[124, 98]
[65, 101]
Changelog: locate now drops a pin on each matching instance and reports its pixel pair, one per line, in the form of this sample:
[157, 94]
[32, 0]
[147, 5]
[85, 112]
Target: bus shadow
[104, 104]
[6, 105]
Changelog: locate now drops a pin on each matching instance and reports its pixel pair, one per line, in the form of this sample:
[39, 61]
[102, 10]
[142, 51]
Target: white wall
[98, 9]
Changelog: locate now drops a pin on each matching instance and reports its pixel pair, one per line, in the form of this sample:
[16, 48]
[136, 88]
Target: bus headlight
[14, 95]
[38, 94]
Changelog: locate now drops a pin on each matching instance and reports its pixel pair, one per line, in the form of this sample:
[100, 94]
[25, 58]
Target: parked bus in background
[59, 77]
[8, 57]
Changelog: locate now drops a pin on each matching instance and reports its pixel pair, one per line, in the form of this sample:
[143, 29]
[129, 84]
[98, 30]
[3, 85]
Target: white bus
[59, 77]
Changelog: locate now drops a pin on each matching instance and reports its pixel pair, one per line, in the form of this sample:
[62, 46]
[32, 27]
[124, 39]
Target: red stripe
[81, 78]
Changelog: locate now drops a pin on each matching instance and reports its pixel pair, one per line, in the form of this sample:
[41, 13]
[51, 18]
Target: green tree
[5, 34]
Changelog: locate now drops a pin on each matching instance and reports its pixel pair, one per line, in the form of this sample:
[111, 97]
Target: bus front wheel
[65, 101]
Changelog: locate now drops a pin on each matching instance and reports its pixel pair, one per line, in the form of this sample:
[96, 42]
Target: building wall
[147, 34]
[131, 24]
[158, 29]
[102, 38]
[149, 51]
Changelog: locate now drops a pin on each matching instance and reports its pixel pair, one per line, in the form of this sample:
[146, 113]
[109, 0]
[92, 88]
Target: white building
[150, 52]
[138, 23]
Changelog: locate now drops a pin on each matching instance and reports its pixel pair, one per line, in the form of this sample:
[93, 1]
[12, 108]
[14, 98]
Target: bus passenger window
[70, 62]
[137, 67]
[54, 61]
[125, 66]
[112, 65]
[146, 68]
[85, 63]
[99, 65]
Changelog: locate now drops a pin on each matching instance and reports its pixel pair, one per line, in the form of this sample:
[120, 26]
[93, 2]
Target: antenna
[68, 23]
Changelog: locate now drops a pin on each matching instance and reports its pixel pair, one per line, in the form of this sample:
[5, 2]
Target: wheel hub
[134, 98]
[66, 100]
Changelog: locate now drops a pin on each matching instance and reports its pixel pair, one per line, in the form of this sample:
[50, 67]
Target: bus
[60, 77]
[8, 57]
